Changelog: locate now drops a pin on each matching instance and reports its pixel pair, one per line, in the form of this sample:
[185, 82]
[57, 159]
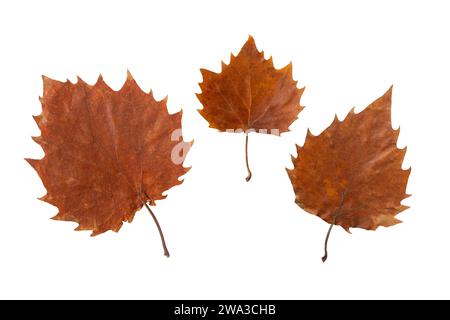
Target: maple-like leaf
[351, 174]
[107, 153]
[250, 95]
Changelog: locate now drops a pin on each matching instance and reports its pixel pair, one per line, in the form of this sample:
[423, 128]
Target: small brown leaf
[351, 174]
[250, 95]
[107, 153]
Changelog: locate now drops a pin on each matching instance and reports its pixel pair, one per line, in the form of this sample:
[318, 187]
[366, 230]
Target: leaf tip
[223, 65]
[301, 90]
[37, 119]
[206, 75]
[288, 70]
[388, 93]
[37, 139]
[46, 80]
[93, 233]
[82, 82]
[387, 96]
[56, 217]
[335, 119]
[293, 159]
[129, 75]
[32, 162]
[100, 78]
[250, 47]
[47, 83]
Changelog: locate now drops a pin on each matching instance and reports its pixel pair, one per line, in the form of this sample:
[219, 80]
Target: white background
[229, 238]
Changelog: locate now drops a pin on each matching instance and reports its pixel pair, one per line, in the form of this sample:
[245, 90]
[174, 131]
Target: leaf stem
[335, 215]
[325, 256]
[166, 252]
[249, 175]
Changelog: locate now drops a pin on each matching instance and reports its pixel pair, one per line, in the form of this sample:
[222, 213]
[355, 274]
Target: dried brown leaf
[250, 95]
[351, 174]
[107, 153]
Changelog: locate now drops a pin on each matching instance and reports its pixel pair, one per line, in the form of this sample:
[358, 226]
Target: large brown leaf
[250, 95]
[351, 174]
[107, 153]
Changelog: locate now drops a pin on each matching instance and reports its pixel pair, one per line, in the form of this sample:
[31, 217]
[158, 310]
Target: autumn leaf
[107, 153]
[351, 174]
[250, 95]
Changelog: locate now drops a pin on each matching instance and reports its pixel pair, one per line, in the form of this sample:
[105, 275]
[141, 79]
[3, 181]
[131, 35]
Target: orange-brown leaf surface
[351, 174]
[250, 93]
[107, 153]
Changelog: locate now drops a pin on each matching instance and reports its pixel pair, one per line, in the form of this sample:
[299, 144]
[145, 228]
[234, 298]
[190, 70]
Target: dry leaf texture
[351, 174]
[106, 152]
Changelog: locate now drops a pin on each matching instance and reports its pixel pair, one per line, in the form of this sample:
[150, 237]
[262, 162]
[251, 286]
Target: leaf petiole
[163, 241]
[336, 213]
[249, 175]
[325, 256]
